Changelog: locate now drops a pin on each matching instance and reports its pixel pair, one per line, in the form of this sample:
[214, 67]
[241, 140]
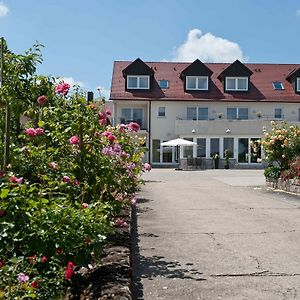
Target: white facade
[213, 134]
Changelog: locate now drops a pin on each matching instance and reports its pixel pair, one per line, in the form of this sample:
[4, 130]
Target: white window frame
[281, 84]
[197, 85]
[138, 82]
[298, 84]
[236, 83]
[131, 113]
[237, 112]
[158, 112]
[166, 81]
[197, 113]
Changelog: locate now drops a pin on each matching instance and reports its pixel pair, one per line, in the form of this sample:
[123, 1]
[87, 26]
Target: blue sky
[83, 38]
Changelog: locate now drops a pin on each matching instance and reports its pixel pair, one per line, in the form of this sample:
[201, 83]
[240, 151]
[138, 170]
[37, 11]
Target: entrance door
[255, 149]
[243, 150]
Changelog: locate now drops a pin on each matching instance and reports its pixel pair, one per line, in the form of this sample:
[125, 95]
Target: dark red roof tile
[261, 88]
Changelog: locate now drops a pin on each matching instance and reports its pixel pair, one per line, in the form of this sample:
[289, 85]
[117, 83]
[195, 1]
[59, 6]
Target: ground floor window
[188, 150]
[167, 153]
[156, 151]
[228, 144]
[245, 150]
[214, 146]
[201, 147]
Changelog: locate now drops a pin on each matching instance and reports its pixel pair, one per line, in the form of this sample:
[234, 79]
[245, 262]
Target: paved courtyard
[215, 234]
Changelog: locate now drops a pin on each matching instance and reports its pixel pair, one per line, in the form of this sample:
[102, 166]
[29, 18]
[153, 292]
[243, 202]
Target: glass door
[243, 150]
[255, 149]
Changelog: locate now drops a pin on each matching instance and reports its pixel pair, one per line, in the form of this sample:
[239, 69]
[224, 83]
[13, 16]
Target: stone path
[215, 234]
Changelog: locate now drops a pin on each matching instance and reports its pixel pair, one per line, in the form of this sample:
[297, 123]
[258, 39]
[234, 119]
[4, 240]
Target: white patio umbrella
[178, 142]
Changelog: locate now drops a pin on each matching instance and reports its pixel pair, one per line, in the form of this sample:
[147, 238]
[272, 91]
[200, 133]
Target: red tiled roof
[260, 88]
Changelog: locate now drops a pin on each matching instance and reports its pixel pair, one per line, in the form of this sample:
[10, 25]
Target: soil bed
[112, 278]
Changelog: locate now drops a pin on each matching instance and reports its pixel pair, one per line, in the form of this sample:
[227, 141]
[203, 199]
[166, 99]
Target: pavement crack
[231, 233]
[256, 274]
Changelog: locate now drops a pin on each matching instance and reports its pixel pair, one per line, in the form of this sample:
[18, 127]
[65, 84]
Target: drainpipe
[149, 130]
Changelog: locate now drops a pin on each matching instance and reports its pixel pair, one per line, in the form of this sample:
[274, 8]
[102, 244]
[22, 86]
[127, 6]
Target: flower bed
[62, 195]
[288, 185]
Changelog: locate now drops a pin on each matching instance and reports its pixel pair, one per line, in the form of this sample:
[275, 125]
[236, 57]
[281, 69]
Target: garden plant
[69, 176]
[282, 149]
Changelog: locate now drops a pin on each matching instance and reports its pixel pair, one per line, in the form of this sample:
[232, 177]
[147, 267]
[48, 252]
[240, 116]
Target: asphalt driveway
[215, 234]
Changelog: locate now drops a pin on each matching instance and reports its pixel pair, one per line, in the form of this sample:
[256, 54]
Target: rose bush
[282, 147]
[70, 175]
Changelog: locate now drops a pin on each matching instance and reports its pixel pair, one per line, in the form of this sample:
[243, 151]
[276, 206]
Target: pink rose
[74, 140]
[132, 126]
[103, 122]
[34, 131]
[66, 179]
[121, 222]
[102, 115]
[111, 138]
[62, 88]
[22, 278]
[147, 167]
[106, 133]
[53, 165]
[44, 259]
[42, 100]
[30, 132]
[39, 131]
[15, 179]
[122, 127]
[108, 112]
[76, 182]
[85, 205]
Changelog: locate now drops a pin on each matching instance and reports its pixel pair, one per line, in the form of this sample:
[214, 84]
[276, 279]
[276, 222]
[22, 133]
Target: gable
[235, 69]
[138, 67]
[197, 68]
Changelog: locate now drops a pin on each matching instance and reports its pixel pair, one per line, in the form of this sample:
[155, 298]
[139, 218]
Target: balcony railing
[223, 126]
[250, 118]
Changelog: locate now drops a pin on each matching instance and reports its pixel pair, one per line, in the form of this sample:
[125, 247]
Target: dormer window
[197, 83]
[236, 83]
[298, 84]
[277, 85]
[138, 82]
[164, 84]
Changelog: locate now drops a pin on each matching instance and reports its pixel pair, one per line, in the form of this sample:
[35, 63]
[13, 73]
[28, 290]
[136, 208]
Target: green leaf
[4, 193]
[41, 123]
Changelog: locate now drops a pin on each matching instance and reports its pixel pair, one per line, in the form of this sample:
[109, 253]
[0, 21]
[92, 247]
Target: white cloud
[298, 13]
[104, 92]
[71, 81]
[3, 9]
[208, 48]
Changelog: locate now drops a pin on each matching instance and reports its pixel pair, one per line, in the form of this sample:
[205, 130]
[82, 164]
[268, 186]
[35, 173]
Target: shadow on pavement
[153, 266]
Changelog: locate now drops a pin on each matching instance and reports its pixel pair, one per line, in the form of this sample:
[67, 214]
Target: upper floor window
[161, 112]
[132, 115]
[198, 83]
[202, 113]
[138, 82]
[236, 83]
[237, 113]
[278, 113]
[277, 85]
[197, 114]
[298, 84]
[164, 84]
